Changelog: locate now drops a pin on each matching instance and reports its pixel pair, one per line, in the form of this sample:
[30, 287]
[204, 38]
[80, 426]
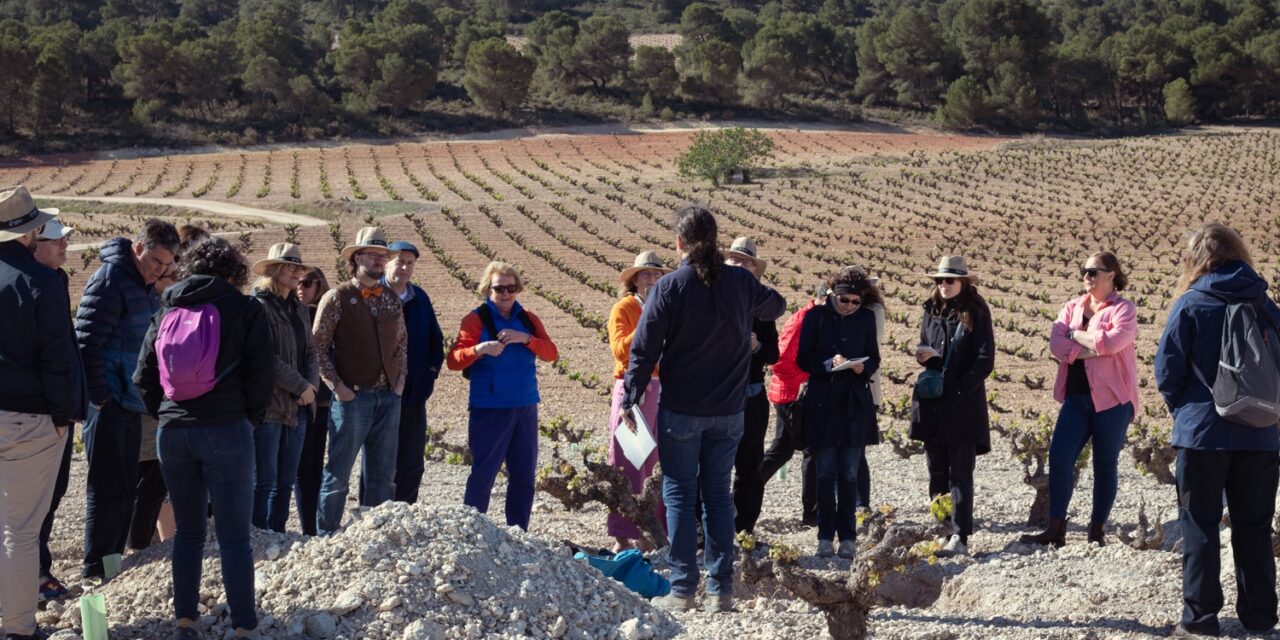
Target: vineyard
[572, 211]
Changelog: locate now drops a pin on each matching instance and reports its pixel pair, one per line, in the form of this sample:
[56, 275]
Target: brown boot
[1054, 536]
[1097, 533]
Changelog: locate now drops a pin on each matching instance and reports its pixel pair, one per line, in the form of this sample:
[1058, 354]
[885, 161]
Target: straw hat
[281, 253]
[954, 267]
[55, 230]
[18, 213]
[745, 248]
[645, 260]
[371, 238]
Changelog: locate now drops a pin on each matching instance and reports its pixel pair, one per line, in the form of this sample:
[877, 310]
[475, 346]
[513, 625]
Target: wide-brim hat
[745, 248]
[369, 238]
[281, 253]
[55, 230]
[954, 267]
[644, 261]
[18, 213]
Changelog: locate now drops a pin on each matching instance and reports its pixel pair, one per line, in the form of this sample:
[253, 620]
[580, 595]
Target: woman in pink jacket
[1097, 384]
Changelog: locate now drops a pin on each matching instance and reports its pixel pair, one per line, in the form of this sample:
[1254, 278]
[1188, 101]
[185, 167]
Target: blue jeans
[495, 437]
[836, 471]
[278, 449]
[370, 421]
[203, 464]
[697, 452]
[1078, 422]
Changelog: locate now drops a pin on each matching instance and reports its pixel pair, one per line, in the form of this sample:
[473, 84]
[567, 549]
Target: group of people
[199, 399]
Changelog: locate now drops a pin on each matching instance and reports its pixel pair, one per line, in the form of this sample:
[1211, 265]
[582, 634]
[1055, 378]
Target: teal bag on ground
[632, 570]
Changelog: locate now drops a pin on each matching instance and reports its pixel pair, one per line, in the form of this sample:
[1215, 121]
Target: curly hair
[215, 257]
[857, 279]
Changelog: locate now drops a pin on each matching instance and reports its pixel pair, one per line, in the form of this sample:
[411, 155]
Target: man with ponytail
[697, 321]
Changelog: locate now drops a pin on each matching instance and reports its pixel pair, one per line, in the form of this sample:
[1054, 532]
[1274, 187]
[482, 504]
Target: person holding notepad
[839, 350]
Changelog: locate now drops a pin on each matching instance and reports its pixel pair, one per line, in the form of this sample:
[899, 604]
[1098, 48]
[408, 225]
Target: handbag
[930, 381]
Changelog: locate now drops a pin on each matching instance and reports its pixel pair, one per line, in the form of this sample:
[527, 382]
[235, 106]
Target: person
[958, 340]
[363, 350]
[51, 251]
[278, 439]
[637, 280]
[697, 321]
[426, 356]
[112, 318]
[205, 441]
[38, 402]
[498, 343]
[150, 492]
[840, 352]
[1097, 386]
[311, 288]
[748, 483]
[1216, 456]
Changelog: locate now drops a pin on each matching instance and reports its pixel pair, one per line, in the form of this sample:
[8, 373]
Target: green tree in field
[17, 57]
[601, 51]
[274, 51]
[702, 22]
[469, 32]
[913, 55]
[964, 105]
[497, 76]
[873, 84]
[770, 71]
[714, 155]
[58, 75]
[551, 40]
[391, 63]
[709, 72]
[653, 72]
[1179, 104]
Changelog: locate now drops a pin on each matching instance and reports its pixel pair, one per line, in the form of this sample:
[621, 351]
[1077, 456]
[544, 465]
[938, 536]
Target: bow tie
[371, 292]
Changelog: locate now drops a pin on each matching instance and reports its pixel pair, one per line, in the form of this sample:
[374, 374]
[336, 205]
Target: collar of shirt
[408, 290]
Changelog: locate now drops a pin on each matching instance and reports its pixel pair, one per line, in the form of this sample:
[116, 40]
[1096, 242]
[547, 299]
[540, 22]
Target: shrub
[715, 154]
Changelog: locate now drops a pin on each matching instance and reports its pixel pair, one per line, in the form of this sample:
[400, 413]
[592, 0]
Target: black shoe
[1183, 631]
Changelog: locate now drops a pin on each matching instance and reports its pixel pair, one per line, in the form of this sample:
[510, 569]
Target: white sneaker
[846, 549]
[953, 547]
[825, 549]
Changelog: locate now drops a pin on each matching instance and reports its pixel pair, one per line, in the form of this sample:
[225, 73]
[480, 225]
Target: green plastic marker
[111, 565]
[93, 617]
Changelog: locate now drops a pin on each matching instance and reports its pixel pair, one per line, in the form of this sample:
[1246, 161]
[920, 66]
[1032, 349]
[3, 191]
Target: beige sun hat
[18, 213]
[644, 261]
[954, 267]
[281, 253]
[745, 248]
[371, 238]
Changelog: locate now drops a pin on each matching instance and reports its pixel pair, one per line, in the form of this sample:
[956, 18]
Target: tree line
[306, 69]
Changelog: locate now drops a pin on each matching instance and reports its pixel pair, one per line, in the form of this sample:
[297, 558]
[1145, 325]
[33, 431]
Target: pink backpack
[187, 351]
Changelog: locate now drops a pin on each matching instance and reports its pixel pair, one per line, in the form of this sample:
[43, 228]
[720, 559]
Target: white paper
[635, 446]
[848, 364]
[928, 349]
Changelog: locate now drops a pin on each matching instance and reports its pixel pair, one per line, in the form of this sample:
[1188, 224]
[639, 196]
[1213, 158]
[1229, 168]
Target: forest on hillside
[83, 73]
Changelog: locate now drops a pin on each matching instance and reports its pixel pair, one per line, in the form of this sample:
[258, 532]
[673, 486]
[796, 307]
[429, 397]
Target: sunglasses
[506, 288]
[849, 301]
[945, 280]
[1092, 272]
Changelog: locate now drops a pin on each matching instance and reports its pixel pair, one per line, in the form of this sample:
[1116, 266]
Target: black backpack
[1246, 389]
[486, 319]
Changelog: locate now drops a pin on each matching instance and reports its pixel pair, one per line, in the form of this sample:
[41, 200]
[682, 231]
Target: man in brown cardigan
[362, 343]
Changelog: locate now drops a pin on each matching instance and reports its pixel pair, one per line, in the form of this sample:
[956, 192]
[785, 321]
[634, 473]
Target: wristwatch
[1071, 334]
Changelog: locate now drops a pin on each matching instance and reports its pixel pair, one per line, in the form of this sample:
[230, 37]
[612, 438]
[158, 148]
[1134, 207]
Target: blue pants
[278, 451]
[1078, 422]
[1249, 479]
[370, 421]
[697, 455]
[836, 470]
[498, 436]
[112, 440]
[203, 464]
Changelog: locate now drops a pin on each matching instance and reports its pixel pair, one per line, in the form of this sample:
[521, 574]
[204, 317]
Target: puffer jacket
[290, 324]
[111, 322]
[39, 369]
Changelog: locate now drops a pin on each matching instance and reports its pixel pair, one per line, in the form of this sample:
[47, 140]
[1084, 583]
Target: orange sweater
[463, 353]
[623, 320]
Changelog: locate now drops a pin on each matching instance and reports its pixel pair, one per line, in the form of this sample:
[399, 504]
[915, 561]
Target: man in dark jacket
[426, 355]
[37, 401]
[110, 324]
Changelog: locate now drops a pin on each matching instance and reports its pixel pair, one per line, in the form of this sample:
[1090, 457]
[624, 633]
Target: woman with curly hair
[206, 439]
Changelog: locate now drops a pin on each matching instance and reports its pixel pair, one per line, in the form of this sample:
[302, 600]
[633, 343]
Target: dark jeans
[204, 464]
[951, 471]
[780, 452]
[1249, 479]
[370, 422]
[497, 436]
[410, 463]
[112, 438]
[1078, 422]
[151, 493]
[696, 454]
[277, 451]
[311, 470]
[59, 490]
[748, 482]
[837, 471]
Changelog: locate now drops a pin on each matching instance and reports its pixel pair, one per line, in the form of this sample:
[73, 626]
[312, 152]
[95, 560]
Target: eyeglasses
[1092, 272]
[505, 288]
[945, 280]
[376, 256]
[849, 301]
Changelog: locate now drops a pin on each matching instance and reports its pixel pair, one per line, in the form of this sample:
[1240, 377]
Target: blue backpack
[632, 570]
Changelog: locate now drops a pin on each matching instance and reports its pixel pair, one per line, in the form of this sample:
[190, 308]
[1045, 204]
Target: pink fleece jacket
[1113, 374]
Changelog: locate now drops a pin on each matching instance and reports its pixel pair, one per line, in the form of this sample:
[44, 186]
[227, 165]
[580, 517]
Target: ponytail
[697, 227]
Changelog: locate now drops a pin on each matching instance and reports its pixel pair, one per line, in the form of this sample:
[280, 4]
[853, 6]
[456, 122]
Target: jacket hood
[1234, 280]
[197, 290]
[118, 251]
